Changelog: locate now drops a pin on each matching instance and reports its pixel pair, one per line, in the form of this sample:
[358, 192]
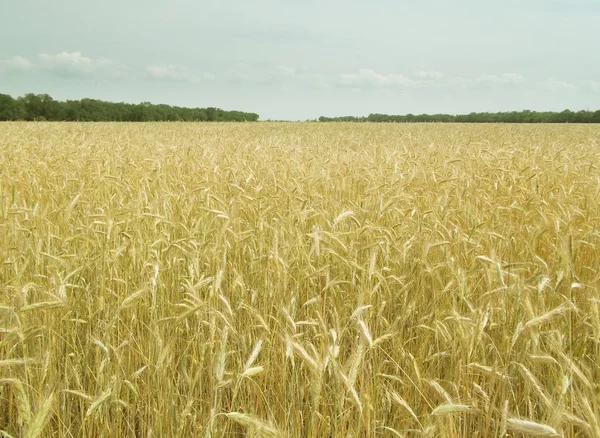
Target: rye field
[299, 280]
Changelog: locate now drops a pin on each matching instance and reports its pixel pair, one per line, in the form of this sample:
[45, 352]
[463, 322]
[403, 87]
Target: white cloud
[461, 82]
[175, 73]
[287, 76]
[238, 74]
[16, 63]
[556, 85]
[429, 74]
[368, 78]
[284, 77]
[75, 64]
[592, 86]
[286, 70]
[503, 79]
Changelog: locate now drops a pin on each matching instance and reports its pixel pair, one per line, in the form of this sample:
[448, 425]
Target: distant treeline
[566, 116]
[43, 107]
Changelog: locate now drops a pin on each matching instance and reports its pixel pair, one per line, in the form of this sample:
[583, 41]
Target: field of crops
[299, 280]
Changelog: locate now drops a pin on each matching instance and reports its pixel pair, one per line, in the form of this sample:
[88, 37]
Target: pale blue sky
[304, 59]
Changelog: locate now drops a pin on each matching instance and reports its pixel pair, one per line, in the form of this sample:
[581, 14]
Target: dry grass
[300, 280]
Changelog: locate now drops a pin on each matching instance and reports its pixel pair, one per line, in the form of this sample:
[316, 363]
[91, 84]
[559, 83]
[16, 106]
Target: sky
[298, 60]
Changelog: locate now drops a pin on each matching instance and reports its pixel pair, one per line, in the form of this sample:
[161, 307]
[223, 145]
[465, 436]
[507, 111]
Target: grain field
[299, 280]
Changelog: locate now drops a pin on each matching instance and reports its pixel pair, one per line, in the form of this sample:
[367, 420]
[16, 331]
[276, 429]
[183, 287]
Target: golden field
[299, 280]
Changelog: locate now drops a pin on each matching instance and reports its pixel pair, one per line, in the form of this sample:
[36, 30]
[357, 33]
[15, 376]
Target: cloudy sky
[302, 59]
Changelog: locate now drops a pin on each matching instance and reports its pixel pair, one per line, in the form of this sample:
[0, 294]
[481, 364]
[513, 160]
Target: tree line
[42, 107]
[566, 116]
